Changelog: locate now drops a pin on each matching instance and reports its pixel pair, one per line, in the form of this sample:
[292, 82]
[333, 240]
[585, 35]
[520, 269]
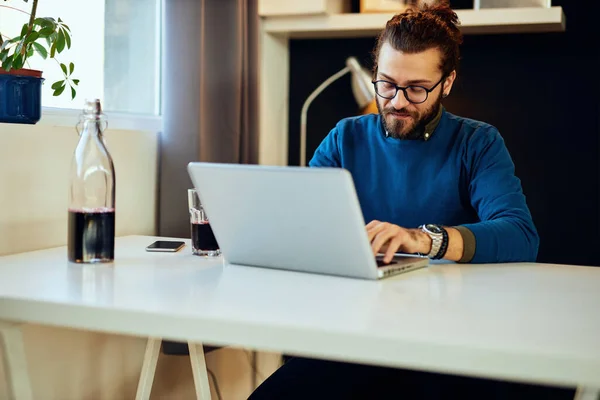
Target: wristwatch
[439, 240]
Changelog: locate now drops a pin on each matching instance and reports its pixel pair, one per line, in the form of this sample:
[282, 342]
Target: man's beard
[413, 128]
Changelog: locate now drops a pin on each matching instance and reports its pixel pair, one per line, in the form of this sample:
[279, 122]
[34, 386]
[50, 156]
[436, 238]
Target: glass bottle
[91, 231]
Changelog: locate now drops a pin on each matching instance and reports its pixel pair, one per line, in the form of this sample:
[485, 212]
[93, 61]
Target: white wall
[69, 364]
[34, 178]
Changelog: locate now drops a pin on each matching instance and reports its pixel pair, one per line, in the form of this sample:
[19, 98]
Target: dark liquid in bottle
[203, 237]
[91, 235]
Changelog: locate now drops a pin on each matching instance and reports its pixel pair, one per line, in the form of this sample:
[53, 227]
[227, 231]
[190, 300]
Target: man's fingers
[393, 247]
[373, 223]
[381, 239]
[386, 238]
[375, 229]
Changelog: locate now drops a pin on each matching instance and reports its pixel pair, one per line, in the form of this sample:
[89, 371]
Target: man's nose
[400, 101]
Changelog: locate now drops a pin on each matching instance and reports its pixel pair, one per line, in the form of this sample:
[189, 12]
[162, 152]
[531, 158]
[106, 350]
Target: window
[115, 49]
[132, 39]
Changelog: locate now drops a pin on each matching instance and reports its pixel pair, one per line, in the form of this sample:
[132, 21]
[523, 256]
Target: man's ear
[448, 82]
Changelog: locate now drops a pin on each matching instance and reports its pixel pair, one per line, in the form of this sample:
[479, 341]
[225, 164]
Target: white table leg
[14, 361]
[199, 371]
[148, 369]
[587, 393]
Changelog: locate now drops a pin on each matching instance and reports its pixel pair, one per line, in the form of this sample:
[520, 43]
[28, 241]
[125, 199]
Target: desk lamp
[362, 88]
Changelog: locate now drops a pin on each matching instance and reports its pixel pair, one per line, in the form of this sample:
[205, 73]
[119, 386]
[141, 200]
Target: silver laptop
[292, 218]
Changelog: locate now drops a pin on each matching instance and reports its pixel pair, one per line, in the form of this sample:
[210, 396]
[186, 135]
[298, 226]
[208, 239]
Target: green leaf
[24, 30]
[8, 64]
[59, 91]
[73, 93]
[71, 68]
[53, 50]
[5, 54]
[41, 50]
[19, 48]
[64, 68]
[58, 84]
[67, 38]
[18, 61]
[48, 41]
[67, 26]
[60, 42]
[76, 81]
[9, 42]
[46, 31]
[45, 23]
[32, 37]
[29, 52]
[59, 20]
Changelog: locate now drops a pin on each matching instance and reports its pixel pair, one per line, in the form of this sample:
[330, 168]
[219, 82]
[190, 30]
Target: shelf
[483, 21]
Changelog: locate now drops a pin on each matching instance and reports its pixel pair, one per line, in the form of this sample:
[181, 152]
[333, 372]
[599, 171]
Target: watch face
[433, 229]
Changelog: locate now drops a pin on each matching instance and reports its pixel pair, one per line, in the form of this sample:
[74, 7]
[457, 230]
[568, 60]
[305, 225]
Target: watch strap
[436, 244]
[436, 241]
[444, 245]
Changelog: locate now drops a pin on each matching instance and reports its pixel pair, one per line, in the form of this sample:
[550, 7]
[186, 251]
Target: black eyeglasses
[414, 94]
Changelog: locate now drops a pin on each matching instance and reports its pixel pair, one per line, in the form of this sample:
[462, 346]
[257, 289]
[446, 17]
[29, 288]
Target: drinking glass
[204, 242]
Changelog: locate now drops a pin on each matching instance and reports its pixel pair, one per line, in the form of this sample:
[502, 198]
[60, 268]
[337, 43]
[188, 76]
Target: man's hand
[390, 238]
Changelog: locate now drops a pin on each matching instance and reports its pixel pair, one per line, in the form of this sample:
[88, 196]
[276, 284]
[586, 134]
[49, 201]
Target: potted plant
[21, 88]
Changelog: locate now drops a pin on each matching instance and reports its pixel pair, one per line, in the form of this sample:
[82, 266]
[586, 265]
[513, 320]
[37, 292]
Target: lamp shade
[362, 88]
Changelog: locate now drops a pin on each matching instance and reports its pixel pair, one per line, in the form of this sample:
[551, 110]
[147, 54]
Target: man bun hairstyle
[423, 28]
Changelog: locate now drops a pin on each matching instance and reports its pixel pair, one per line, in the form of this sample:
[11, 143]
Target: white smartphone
[165, 246]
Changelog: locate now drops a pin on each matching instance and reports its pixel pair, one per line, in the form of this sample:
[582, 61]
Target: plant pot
[20, 96]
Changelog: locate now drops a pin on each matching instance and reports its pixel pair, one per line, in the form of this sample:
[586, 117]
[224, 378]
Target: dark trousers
[303, 378]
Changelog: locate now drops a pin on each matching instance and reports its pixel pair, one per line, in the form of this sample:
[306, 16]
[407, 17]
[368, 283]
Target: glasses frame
[404, 88]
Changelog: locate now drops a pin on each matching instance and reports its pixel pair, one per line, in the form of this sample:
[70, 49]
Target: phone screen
[165, 245]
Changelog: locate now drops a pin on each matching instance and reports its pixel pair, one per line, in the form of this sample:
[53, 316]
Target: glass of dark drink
[204, 242]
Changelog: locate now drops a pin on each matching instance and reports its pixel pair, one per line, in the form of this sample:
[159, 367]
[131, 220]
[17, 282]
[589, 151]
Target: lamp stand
[303, 114]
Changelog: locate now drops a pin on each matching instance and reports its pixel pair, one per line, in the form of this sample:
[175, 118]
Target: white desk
[527, 322]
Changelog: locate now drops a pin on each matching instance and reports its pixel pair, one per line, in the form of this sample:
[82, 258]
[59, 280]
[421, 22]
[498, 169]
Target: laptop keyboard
[380, 262]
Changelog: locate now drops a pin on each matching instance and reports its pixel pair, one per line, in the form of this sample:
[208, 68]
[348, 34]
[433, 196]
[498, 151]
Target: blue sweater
[463, 175]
